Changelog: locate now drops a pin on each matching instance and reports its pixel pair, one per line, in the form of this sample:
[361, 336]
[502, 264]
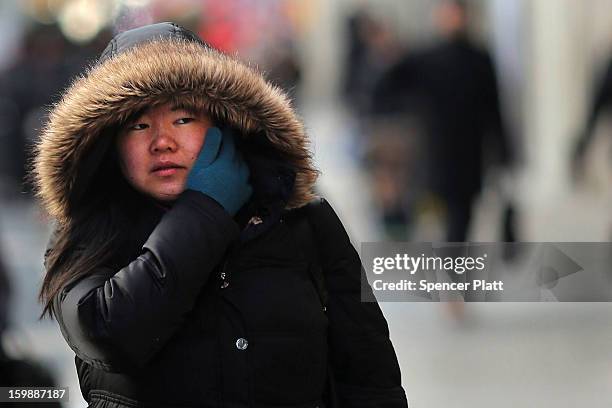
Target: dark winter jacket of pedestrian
[454, 86]
[199, 308]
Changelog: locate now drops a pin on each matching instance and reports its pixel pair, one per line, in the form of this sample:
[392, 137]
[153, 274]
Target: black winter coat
[226, 323]
[202, 309]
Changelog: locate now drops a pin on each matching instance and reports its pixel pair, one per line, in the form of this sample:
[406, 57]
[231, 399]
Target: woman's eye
[138, 126]
[183, 121]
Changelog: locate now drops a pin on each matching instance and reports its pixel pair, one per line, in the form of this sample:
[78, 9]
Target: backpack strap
[304, 235]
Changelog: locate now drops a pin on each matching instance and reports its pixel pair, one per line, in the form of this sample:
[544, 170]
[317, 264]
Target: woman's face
[158, 149]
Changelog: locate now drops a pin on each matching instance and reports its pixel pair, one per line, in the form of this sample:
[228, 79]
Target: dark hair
[101, 223]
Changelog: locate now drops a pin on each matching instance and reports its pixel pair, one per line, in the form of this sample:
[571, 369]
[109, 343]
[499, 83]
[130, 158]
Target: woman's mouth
[164, 170]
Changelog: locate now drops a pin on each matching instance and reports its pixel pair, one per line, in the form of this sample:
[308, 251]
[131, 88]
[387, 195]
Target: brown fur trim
[165, 70]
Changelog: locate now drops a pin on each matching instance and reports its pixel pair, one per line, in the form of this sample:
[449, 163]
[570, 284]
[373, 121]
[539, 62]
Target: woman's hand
[220, 172]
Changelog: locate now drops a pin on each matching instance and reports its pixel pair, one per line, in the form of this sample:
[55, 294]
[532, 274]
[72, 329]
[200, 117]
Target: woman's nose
[163, 142]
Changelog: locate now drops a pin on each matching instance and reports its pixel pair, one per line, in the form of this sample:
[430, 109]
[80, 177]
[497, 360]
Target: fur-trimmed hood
[164, 69]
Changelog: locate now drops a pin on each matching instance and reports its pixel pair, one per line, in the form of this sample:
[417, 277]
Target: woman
[183, 269]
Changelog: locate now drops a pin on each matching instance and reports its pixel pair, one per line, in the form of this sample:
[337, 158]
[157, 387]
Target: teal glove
[220, 172]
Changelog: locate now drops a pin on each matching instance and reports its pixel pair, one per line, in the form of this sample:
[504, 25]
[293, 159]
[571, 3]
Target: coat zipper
[223, 274]
[255, 219]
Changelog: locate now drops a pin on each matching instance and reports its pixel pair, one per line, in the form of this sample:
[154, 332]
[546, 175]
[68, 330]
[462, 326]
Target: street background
[550, 59]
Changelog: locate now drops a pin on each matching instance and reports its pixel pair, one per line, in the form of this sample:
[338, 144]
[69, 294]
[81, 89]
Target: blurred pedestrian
[452, 86]
[284, 69]
[601, 103]
[44, 66]
[19, 371]
[372, 48]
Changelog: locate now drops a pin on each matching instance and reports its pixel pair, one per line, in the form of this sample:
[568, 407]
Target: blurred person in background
[26, 87]
[19, 372]
[452, 87]
[43, 69]
[600, 105]
[191, 263]
[283, 68]
[392, 157]
[371, 48]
